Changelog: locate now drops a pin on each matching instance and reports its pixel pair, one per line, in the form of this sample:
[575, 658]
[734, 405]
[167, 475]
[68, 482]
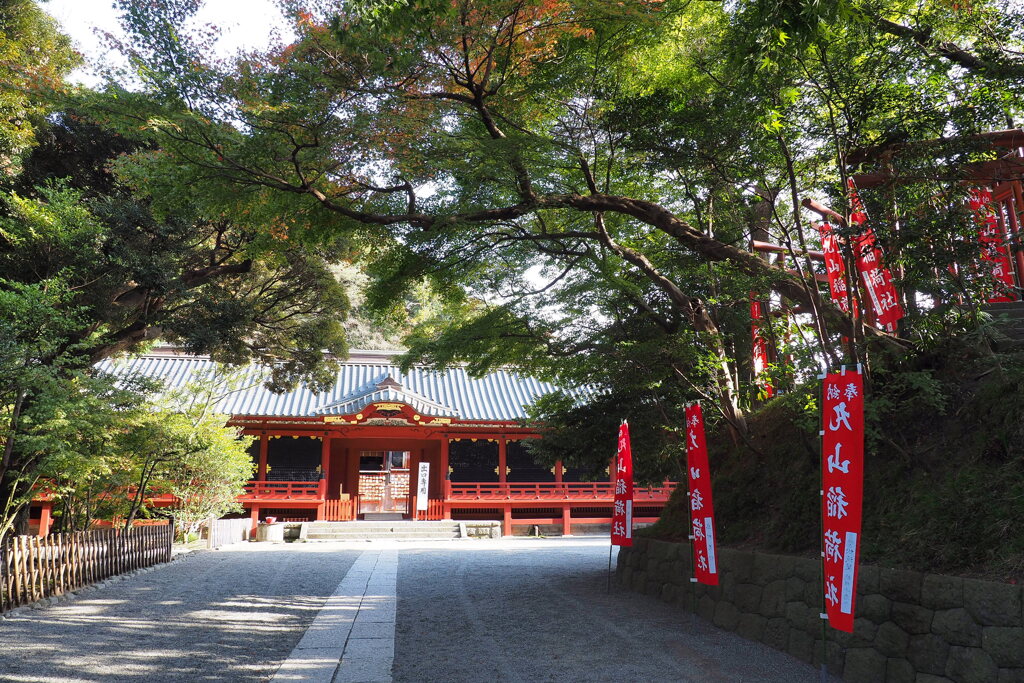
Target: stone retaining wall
[910, 627]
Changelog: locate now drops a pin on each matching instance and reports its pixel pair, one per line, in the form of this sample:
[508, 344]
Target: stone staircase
[403, 530]
[1009, 321]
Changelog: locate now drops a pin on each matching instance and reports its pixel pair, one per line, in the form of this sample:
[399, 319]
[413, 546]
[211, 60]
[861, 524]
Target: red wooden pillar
[445, 484]
[502, 460]
[352, 458]
[325, 458]
[567, 520]
[254, 519]
[1015, 203]
[325, 474]
[506, 522]
[559, 472]
[45, 518]
[261, 473]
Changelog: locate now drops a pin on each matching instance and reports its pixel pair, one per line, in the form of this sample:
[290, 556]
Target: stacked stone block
[910, 627]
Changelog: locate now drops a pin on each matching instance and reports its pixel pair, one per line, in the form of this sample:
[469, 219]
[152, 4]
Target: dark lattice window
[473, 461]
[294, 459]
[595, 473]
[254, 451]
[522, 466]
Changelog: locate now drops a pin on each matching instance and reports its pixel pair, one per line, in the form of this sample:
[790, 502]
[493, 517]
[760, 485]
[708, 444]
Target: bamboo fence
[33, 568]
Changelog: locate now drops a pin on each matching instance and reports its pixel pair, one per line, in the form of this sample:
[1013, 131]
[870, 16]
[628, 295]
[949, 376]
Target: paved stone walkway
[538, 610]
[352, 638]
[510, 610]
[232, 614]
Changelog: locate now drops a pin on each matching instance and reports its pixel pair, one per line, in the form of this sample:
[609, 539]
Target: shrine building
[354, 452]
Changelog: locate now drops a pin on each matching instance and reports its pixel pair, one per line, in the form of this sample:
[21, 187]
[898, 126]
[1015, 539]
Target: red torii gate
[1002, 175]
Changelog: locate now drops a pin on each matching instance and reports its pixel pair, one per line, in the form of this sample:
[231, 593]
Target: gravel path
[229, 615]
[519, 610]
[509, 610]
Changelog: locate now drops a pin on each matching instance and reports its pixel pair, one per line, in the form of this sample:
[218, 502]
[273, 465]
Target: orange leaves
[279, 232]
[509, 36]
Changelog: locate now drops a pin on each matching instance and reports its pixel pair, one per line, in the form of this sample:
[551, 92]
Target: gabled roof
[387, 390]
[501, 395]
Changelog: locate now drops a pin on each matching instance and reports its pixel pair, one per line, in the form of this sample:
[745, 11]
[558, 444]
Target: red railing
[595, 491]
[284, 490]
[434, 511]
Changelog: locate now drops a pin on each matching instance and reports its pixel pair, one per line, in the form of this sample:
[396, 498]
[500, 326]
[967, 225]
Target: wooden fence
[35, 568]
[221, 532]
[434, 511]
[340, 510]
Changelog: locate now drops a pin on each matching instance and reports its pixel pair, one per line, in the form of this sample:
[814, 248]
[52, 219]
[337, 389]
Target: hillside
[944, 469]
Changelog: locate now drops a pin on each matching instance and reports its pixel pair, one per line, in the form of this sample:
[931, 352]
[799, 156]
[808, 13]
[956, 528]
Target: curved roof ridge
[386, 389]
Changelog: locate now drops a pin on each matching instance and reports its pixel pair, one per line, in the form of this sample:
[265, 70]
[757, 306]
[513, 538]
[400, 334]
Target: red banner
[842, 468]
[759, 349]
[702, 511]
[622, 510]
[992, 238]
[834, 267]
[882, 294]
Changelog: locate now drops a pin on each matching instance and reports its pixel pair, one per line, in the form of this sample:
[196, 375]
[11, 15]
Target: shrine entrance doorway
[384, 482]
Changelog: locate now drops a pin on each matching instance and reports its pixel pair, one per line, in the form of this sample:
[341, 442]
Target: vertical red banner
[834, 267]
[877, 281]
[622, 506]
[842, 467]
[992, 239]
[702, 510]
[881, 292]
[759, 348]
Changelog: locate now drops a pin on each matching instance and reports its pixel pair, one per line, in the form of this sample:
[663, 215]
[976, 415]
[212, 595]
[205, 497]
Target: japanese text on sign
[842, 463]
[702, 514]
[622, 506]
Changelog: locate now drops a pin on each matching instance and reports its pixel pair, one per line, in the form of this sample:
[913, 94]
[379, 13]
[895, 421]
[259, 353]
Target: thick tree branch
[951, 51]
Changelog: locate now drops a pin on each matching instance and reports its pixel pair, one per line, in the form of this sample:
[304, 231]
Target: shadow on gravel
[541, 611]
[216, 616]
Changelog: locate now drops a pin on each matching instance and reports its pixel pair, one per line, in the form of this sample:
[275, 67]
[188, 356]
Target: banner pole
[821, 533]
[689, 533]
[610, 568]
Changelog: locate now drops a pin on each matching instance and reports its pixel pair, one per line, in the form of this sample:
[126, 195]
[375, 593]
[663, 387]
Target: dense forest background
[570, 188]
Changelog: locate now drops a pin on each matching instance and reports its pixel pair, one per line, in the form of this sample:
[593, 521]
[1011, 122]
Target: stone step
[382, 527]
[405, 536]
[343, 526]
[383, 516]
[400, 530]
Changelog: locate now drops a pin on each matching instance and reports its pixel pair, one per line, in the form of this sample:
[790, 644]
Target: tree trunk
[727, 397]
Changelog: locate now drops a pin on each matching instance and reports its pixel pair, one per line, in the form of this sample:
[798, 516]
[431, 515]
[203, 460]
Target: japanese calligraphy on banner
[992, 238]
[834, 267]
[759, 348]
[842, 467]
[702, 511]
[622, 505]
[882, 295]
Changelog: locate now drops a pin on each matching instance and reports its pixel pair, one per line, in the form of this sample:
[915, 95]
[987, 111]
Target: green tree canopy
[628, 152]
